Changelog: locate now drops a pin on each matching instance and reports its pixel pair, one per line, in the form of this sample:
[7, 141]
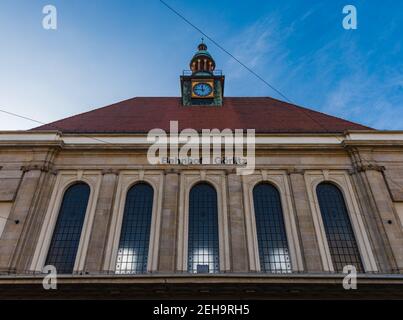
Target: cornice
[37, 167]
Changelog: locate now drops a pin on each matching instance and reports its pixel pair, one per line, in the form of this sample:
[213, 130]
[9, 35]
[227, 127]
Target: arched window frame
[217, 179]
[279, 180]
[342, 181]
[64, 180]
[127, 179]
[267, 232]
[218, 231]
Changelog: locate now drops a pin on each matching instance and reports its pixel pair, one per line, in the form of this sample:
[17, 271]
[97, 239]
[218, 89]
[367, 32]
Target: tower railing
[190, 72]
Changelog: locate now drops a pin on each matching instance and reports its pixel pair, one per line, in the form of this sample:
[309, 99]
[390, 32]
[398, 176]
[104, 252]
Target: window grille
[66, 236]
[340, 236]
[135, 233]
[203, 244]
[271, 235]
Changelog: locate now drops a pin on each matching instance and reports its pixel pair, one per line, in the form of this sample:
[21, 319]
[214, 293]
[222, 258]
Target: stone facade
[36, 167]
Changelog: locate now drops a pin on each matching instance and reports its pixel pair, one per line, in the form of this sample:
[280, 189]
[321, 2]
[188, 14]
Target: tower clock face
[202, 89]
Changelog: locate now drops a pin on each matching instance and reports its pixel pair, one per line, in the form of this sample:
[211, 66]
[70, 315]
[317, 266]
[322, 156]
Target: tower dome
[202, 61]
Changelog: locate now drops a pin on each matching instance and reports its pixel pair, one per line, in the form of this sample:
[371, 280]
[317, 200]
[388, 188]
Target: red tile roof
[265, 115]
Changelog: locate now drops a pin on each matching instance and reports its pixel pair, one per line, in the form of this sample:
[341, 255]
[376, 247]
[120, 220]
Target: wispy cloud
[371, 99]
[252, 45]
[264, 47]
[359, 93]
[336, 76]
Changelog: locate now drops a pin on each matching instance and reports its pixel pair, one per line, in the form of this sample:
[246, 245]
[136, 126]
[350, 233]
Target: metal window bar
[132, 254]
[203, 244]
[271, 235]
[340, 236]
[216, 72]
[66, 236]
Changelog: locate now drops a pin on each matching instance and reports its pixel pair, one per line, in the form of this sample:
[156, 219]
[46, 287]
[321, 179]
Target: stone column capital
[171, 171]
[230, 171]
[110, 171]
[295, 171]
[369, 166]
[32, 167]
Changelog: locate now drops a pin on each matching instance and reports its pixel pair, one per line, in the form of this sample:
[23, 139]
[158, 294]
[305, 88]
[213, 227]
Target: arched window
[135, 235]
[66, 236]
[203, 245]
[340, 236]
[271, 235]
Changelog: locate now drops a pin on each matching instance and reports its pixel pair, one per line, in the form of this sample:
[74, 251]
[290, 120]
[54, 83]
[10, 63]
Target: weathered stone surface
[168, 236]
[8, 188]
[309, 244]
[238, 246]
[376, 191]
[394, 179]
[23, 206]
[100, 227]
[386, 212]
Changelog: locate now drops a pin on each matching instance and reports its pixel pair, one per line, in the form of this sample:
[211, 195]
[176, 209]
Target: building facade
[80, 194]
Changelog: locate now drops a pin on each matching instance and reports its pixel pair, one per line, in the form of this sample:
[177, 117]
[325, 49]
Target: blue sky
[106, 51]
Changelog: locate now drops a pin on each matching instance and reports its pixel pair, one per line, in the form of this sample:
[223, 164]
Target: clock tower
[202, 84]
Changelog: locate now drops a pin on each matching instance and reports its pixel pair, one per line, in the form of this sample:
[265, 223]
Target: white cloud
[336, 77]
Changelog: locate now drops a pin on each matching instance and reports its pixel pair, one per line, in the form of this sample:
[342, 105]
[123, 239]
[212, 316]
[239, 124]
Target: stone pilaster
[309, 242]
[168, 235]
[385, 231]
[374, 226]
[101, 223]
[237, 232]
[16, 227]
[29, 239]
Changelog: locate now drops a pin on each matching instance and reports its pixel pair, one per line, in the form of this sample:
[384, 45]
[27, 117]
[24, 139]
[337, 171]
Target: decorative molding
[171, 170]
[366, 167]
[202, 174]
[370, 166]
[54, 172]
[126, 179]
[110, 171]
[32, 167]
[230, 171]
[325, 174]
[264, 174]
[217, 178]
[64, 180]
[349, 139]
[279, 180]
[141, 174]
[295, 171]
[341, 179]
